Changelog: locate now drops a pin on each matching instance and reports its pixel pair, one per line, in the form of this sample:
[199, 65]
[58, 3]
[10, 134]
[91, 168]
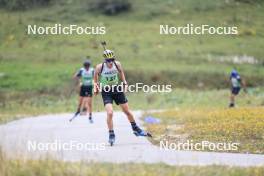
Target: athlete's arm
[96, 77]
[77, 75]
[122, 73]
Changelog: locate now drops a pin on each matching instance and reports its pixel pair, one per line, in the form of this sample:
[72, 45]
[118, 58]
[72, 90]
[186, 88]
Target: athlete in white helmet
[107, 75]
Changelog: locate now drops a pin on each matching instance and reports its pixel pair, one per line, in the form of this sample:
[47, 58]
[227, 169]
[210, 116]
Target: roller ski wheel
[145, 134]
[91, 120]
[111, 143]
[138, 132]
[111, 139]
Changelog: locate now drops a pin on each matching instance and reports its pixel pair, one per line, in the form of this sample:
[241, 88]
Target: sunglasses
[110, 60]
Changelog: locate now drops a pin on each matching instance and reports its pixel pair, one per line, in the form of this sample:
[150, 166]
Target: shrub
[22, 4]
[110, 7]
[249, 1]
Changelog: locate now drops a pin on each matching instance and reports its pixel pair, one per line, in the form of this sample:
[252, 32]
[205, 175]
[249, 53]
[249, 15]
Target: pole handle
[103, 44]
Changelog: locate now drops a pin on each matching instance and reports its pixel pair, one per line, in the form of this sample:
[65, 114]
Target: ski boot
[111, 138]
[231, 105]
[139, 132]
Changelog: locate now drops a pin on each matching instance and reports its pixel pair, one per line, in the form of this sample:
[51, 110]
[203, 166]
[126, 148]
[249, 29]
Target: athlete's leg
[79, 106]
[234, 92]
[83, 107]
[232, 100]
[126, 110]
[109, 111]
[137, 131]
[108, 103]
[89, 106]
[80, 103]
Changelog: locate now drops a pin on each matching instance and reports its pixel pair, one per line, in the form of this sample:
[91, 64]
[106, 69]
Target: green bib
[109, 76]
[87, 77]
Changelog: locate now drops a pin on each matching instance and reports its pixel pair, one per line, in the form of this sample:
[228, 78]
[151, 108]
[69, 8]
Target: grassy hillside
[42, 66]
[36, 71]
[135, 38]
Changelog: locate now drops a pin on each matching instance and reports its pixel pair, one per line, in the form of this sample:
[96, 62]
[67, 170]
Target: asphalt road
[55, 137]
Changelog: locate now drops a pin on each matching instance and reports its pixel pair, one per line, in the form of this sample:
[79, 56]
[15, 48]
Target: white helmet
[108, 54]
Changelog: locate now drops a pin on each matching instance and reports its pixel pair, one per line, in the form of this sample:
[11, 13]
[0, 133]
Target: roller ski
[139, 132]
[111, 138]
[90, 119]
[75, 115]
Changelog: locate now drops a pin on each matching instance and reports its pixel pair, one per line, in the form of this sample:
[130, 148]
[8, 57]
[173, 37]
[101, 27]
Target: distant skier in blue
[236, 84]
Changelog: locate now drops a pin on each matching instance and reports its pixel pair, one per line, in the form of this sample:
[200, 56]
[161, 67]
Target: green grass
[24, 105]
[30, 63]
[217, 125]
[36, 71]
[56, 168]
